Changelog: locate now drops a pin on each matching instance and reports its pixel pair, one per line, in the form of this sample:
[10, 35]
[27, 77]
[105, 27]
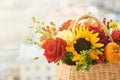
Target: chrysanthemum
[83, 39]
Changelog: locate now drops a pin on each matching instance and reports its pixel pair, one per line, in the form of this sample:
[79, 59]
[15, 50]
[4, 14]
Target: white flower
[65, 35]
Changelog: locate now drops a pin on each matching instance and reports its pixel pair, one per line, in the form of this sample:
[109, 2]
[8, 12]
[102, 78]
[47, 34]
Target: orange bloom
[95, 54]
[65, 25]
[89, 24]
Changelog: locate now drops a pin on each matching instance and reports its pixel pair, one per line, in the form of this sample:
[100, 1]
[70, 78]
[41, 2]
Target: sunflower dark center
[82, 44]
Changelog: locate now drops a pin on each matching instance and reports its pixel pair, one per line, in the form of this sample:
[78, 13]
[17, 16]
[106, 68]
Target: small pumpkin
[112, 52]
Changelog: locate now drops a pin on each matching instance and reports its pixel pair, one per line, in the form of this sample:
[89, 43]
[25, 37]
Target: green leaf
[105, 62]
[29, 39]
[31, 26]
[42, 23]
[102, 49]
[92, 47]
[78, 67]
[34, 20]
[58, 63]
[36, 58]
[68, 58]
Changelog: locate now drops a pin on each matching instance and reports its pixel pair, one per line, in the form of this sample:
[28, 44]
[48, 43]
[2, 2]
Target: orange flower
[89, 24]
[94, 54]
[65, 25]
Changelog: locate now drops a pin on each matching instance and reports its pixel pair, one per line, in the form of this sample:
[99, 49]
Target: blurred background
[17, 54]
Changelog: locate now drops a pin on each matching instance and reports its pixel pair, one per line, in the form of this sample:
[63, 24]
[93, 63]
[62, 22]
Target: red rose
[116, 35]
[54, 49]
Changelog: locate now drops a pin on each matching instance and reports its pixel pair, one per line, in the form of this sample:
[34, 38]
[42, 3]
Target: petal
[94, 40]
[76, 57]
[93, 56]
[98, 45]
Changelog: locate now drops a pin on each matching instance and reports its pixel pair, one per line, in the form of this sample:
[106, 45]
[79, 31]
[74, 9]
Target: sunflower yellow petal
[95, 35]
[98, 52]
[77, 31]
[76, 57]
[98, 45]
[93, 56]
[94, 40]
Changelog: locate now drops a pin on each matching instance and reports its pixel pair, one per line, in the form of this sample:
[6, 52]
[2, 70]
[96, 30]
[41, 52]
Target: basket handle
[97, 20]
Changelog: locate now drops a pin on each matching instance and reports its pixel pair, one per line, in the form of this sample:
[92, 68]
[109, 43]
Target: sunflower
[83, 39]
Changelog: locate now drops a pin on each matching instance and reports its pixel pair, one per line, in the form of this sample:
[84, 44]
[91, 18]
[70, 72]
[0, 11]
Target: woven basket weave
[96, 72]
[107, 71]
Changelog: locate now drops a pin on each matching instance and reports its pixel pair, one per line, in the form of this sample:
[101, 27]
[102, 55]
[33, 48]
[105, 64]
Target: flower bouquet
[85, 49]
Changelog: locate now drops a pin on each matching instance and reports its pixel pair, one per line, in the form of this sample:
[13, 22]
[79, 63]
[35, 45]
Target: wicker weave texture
[97, 72]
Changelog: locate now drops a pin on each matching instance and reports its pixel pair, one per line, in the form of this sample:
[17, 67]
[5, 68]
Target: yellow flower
[65, 35]
[94, 54]
[83, 32]
[83, 39]
[113, 25]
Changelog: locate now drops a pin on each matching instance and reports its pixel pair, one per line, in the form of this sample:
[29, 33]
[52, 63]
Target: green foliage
[36, 58]
[34, 19]
[68, 58]
[105, 62]
[83, 67]
[86, 62]
[32, 42]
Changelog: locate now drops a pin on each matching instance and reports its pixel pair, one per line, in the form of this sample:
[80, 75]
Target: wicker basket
[96, 72]
[107, 71]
